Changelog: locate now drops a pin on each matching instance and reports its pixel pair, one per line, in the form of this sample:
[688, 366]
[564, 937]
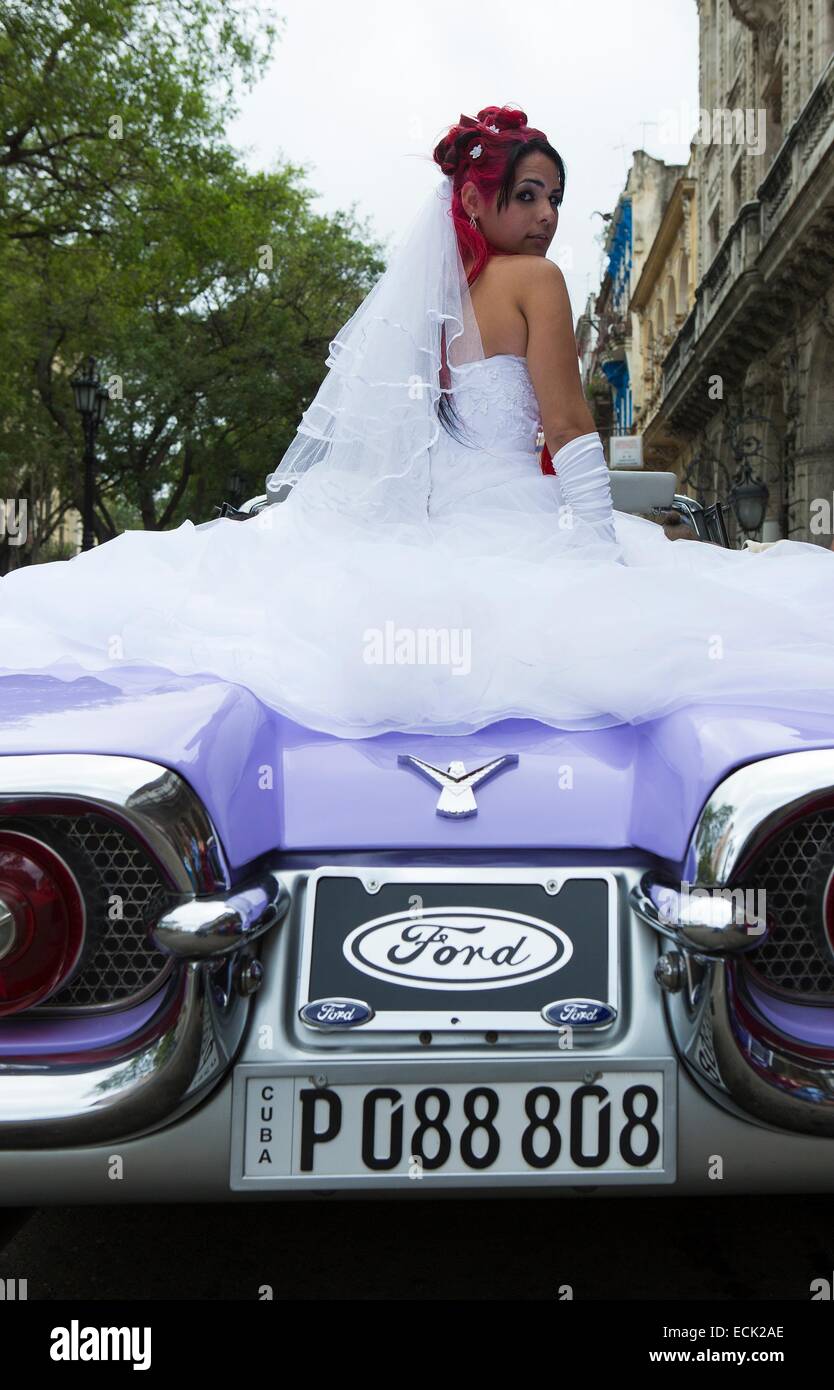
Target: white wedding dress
[486, 608]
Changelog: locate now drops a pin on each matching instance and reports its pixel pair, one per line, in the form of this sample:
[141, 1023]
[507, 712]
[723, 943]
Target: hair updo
[504, 137]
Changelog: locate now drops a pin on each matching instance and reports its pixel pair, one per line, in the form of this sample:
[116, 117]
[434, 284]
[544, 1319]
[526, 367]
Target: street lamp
[746, 494]
[749, 498]
[91, 403]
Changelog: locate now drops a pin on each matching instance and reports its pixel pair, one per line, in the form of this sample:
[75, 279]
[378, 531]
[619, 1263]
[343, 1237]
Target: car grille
[794, 959]
[123, 967]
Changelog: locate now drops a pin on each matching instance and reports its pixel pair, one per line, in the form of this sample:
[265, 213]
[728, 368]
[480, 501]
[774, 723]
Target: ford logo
[457, 948]
[579, 1013]
[336, 1013]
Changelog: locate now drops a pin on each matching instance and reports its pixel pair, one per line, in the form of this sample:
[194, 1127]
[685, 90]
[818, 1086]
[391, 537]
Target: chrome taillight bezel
[765, 1058]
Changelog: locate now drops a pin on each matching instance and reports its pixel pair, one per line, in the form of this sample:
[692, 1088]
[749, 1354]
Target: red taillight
[42, 921]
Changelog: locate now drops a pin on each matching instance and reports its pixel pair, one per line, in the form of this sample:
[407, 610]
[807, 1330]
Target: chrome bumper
[155, 1075]
[743, 1062]
[149, 1080]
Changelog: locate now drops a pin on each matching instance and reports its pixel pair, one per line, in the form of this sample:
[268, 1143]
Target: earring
[473, 221]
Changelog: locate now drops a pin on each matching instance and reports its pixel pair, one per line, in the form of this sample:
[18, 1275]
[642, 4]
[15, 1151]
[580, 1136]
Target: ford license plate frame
[401, 941]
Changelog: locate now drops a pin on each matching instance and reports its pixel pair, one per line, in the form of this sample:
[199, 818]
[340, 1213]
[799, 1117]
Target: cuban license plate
[611, 1129]
[446, 949]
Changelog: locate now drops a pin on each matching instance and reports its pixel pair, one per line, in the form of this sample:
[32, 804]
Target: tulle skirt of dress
[485, 609]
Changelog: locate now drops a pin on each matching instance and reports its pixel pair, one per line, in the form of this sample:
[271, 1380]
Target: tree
[209, 294]
[102, 99]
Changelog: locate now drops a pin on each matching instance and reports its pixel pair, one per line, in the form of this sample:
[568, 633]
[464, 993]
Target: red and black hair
[504, 137]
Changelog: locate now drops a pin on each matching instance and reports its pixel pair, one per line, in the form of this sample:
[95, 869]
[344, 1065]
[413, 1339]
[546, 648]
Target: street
[686, 1249]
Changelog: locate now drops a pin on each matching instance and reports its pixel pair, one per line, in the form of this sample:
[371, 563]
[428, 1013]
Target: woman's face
[528, 223]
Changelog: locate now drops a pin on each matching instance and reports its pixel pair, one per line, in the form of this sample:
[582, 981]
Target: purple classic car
[243, 959]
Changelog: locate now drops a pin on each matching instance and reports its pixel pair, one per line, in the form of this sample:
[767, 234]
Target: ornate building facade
[614, 368]
[661, 302]
[733, 307]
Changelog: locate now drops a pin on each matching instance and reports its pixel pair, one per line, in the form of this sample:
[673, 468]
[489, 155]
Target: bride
[420, 567]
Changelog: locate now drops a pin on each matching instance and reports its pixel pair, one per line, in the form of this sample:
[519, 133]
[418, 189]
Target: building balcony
[778, 253]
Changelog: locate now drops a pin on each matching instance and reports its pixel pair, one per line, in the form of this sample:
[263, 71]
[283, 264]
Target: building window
[714, 232]
[738, 195]
[772, 102]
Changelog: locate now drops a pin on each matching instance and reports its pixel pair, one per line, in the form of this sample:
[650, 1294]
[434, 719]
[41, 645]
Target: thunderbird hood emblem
[457, 796]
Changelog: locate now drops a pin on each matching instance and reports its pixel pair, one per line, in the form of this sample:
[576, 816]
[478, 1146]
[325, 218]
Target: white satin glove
[585, 483]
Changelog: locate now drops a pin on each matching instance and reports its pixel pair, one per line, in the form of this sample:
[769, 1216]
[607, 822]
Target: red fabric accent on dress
[547, 462]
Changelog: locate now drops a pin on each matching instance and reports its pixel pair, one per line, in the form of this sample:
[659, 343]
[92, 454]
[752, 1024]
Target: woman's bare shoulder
[523, 275]
[520, 262]
[535, 268]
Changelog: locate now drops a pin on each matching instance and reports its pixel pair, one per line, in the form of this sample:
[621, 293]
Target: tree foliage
[130, 230]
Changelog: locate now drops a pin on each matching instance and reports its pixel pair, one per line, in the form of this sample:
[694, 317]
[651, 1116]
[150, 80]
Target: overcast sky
[361, 90]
